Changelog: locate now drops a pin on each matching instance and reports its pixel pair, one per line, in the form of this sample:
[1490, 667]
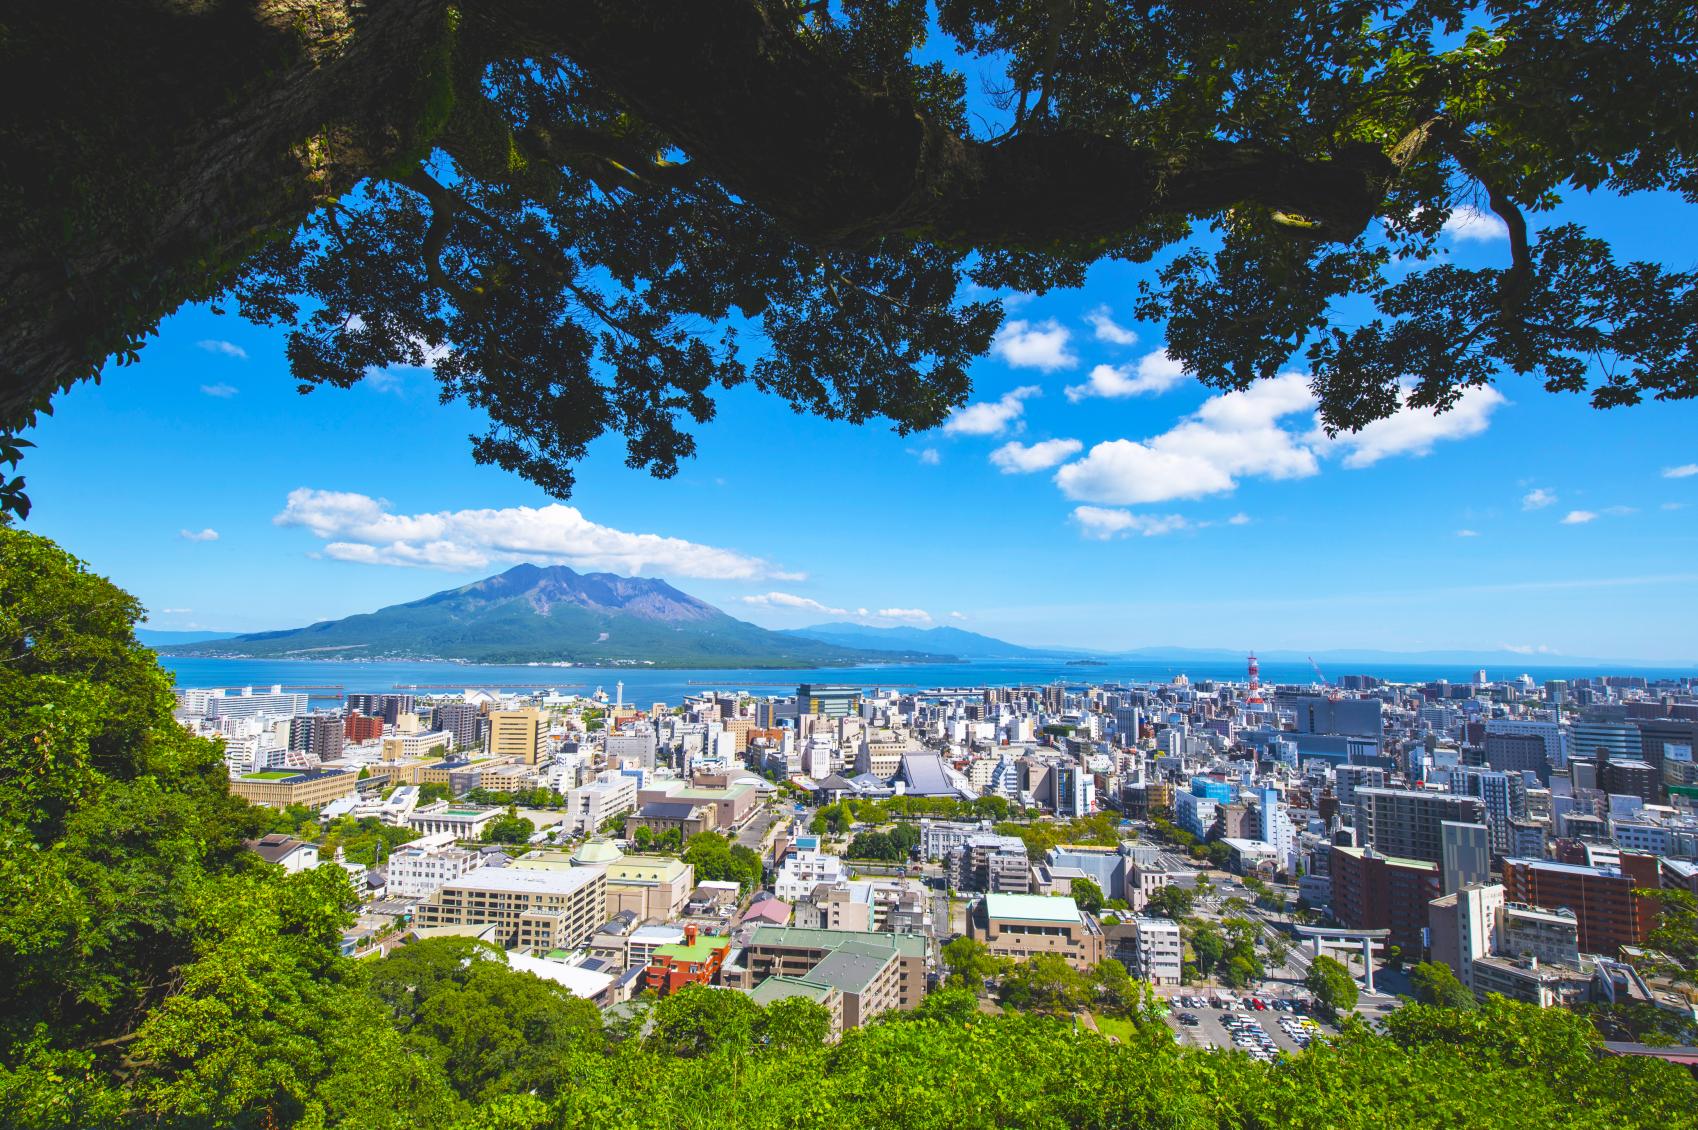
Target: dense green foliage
[893, 846]
[508, 829]
[1434, 983]
[1171, 901]
[154, 973]
[1334, 989]
[1087, 895]
[717, 858]
[362, 839]
[836, 818]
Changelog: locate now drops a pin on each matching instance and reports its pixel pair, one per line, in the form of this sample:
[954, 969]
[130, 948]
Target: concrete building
[280, 788]
[1409, 823]
[775, 951]
[830, 701]
[649, 887]
[696, 960]
[461, 721]
[517, 734]
[1467, 855]
[805, 869]
[1158, 951]
[320, 734]
[1022, 926]
[533, 910]
[1462, 925]
[989, 862]
[1374, 891]
[1608, 915]
[410, 747]
[775, 989]
[462, 822]
[661, 817]
[591, 805]
[249, 703]
[417, 872]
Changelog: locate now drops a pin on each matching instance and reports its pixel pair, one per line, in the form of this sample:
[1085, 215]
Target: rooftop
[802, 937]
[1034, 908]
[781, 987]
[852, 967]
[516, 880]
[703, 948]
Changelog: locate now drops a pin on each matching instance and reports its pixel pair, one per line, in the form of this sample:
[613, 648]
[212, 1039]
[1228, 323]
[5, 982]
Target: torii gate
[1343, 938]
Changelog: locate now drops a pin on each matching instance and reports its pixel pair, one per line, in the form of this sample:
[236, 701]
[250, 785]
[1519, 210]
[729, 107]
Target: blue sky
[1140, 510]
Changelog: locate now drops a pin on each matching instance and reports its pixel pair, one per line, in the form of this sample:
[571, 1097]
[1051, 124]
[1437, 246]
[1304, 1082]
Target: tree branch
[839, 163]
[1518, 282]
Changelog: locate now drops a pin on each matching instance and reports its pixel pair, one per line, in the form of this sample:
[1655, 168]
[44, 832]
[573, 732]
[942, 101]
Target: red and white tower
[1254, 698]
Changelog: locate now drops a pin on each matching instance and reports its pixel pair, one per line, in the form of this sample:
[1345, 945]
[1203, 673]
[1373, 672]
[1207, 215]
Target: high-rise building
[462, 720]
[1360, 717]
[1556, 744]
[516, 733]
[318, 734]
[830, 700]
[1516, 753]
[1373, 891]
[1607, 912]
[1467, 851]
[358, 728]
[1410, 822]
[249, 703]
[1615, 739]
[388, 707]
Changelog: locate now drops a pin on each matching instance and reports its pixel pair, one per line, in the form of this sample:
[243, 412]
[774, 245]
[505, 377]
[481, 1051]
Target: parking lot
[1213, 1025]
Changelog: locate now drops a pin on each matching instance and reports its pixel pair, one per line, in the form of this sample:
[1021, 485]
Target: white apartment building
[1159, 953]
[805, 870]
[589, 806]
[417, 872]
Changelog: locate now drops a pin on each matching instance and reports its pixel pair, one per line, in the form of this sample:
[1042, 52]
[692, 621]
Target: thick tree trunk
[150, 146]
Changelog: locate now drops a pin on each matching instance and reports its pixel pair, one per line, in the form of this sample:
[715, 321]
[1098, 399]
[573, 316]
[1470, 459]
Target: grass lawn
[1122, 1030]
[268, 775]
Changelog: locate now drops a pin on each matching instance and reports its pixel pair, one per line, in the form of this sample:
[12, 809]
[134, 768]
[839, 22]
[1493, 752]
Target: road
[754, 833]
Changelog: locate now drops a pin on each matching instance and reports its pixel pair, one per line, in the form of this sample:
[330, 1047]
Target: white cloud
[1684, 471]
[957, 615]
[1467, 533]
[1537, 499]
[1620, 511]
[1673, 506]
[1155, 373]
[927, 455]
[1107, 329]
[911, 615]
[208, 534]
[1230, 435]
[1468, 224]
[1102, 524]
[227, 348]
[221, 390]
[1526, 648]
[1578, 517]
[1239, 519]
[1414, 431]
[1016, 458]
[1034, 345]
[359, 528]
[990, 417]
[790, 600]
[175, 611]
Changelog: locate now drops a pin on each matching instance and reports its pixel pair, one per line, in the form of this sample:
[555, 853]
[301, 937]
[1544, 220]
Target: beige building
[533, 909]
[517, 733]
[407, 747]
[649, 886]
[1022, 926]
[786, 951]
[731, 803]
[279, 788]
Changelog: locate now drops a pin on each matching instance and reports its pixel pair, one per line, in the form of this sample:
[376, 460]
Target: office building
[1374, 891]
[320, 734]
[1357, 717]
[388, 707]
[461, 721]
[787, 951]
[537, 910]
[280, 788]
[832, 701]
[1023, 926]
[517, 734]
[1466, 851]
[989, 862]
[590, 805]
[1608, 915]
[1409, 823]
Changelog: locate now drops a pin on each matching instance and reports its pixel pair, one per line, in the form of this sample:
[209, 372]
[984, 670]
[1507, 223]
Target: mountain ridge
[552, 614]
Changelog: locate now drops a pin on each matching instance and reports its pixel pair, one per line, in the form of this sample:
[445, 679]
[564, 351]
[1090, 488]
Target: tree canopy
[592, 218]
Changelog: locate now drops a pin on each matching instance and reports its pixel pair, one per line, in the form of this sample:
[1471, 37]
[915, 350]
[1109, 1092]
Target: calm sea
[646, 686]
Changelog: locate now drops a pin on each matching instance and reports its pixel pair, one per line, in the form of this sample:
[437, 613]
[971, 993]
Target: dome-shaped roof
[597, 850]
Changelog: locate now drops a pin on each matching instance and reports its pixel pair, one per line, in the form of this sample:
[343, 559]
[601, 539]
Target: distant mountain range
[159, 637]
[950, 641]
[532, 614]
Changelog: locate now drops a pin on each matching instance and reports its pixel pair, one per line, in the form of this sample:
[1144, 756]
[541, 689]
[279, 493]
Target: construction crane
[1332, 691]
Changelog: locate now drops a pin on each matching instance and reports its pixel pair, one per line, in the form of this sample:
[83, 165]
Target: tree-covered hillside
[155, 973]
